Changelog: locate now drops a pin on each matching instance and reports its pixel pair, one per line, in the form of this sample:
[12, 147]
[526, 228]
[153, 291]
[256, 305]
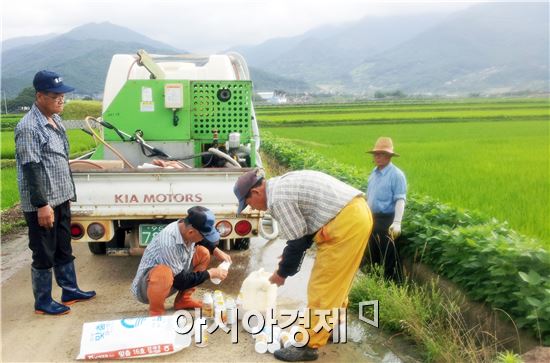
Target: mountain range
[487, 48]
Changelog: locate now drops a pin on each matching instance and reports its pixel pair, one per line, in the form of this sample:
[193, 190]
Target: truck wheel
[118, 239]
[100, 248]
[240, 244]
[97, 248]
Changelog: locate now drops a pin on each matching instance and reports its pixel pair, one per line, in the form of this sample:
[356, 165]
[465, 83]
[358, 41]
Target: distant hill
[83, 55]
[326, 55]
[486, 48]
[265, 81]
[25, 41]
[491, 47]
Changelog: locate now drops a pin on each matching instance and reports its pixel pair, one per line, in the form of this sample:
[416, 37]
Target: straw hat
[383, 144]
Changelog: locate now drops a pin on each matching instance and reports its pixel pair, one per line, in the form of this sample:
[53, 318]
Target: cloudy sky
[203, 25]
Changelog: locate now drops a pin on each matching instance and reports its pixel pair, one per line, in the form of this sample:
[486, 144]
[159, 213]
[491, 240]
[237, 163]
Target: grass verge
[430, 319]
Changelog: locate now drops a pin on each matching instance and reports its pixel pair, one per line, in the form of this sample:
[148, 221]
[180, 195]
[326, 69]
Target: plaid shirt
[304, 201]
[37, 141]
[167, 248]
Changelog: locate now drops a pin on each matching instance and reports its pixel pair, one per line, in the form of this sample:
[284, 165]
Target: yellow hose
[101, 140]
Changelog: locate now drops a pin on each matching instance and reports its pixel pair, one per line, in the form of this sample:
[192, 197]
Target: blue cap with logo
[48, 81]
[202, 219]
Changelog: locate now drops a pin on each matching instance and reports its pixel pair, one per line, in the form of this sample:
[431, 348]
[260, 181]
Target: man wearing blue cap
[46, 188]
[175, 262]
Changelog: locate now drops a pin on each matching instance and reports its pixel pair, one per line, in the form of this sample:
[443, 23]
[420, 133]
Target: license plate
[147, 232]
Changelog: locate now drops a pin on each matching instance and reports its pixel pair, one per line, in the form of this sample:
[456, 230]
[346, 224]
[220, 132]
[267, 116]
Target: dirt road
[30, 337]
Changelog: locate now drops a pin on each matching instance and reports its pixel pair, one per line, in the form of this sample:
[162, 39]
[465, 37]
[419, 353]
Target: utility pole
[5, 103]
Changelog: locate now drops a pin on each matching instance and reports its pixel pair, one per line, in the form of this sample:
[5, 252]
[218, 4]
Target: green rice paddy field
[79, 142]
[486, 155]
[489, 155]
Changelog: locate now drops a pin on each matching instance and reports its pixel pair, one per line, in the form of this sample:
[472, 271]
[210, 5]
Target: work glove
[395, 230]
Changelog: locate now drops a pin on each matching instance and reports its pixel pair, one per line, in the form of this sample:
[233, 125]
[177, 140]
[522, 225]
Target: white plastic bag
[131, 338]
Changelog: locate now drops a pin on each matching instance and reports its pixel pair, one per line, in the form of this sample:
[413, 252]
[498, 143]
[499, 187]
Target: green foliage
[508, 357]
[8, 145]
[480, 254]
[10, 193]
[25, 98]
[74, 110]
[404, 308]
[78, 140]
[8, 122]
[78, 110]
[489, 260]
[427, 317]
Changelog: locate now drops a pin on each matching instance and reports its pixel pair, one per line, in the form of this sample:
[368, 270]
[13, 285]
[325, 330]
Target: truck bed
[154, 193]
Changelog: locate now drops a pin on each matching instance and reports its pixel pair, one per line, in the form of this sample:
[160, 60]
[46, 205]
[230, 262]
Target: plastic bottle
[275, 344]
[258, 293]
[218, 295]
[231, 311]
[218, 298]
[208, 305]
[224, 266]
[203, 332]
[239, 306]
[277, 332]
[261, 343]
[220, 313]
[295, 334]
[285, 339]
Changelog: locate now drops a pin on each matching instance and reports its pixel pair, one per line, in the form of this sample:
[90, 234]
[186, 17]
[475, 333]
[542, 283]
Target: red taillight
[242, 228]
[77, 231]
[224, 228]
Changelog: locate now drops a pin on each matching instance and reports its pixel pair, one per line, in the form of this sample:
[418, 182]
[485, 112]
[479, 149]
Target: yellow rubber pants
[340, 247]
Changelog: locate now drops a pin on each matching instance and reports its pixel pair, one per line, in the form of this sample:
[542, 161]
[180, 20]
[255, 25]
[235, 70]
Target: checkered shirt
[304, 201]
[37, 141]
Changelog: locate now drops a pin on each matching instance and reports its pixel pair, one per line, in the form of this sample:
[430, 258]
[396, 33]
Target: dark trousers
[51, 247]
[382, 249]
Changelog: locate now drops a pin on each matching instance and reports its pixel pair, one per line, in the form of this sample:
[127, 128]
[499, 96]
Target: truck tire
[97, 248]
[240, 244]
[100, 248]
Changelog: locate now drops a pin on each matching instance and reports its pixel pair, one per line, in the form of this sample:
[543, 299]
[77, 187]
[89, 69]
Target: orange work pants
[161, 278]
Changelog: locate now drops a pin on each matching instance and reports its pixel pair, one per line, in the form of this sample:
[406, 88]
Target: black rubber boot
[65, 276]
[293, 354]
[42, 290]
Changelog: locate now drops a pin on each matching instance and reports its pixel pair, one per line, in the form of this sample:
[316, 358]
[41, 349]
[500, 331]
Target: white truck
[193, 113]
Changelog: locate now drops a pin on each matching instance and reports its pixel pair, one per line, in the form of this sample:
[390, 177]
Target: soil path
[30, 337]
